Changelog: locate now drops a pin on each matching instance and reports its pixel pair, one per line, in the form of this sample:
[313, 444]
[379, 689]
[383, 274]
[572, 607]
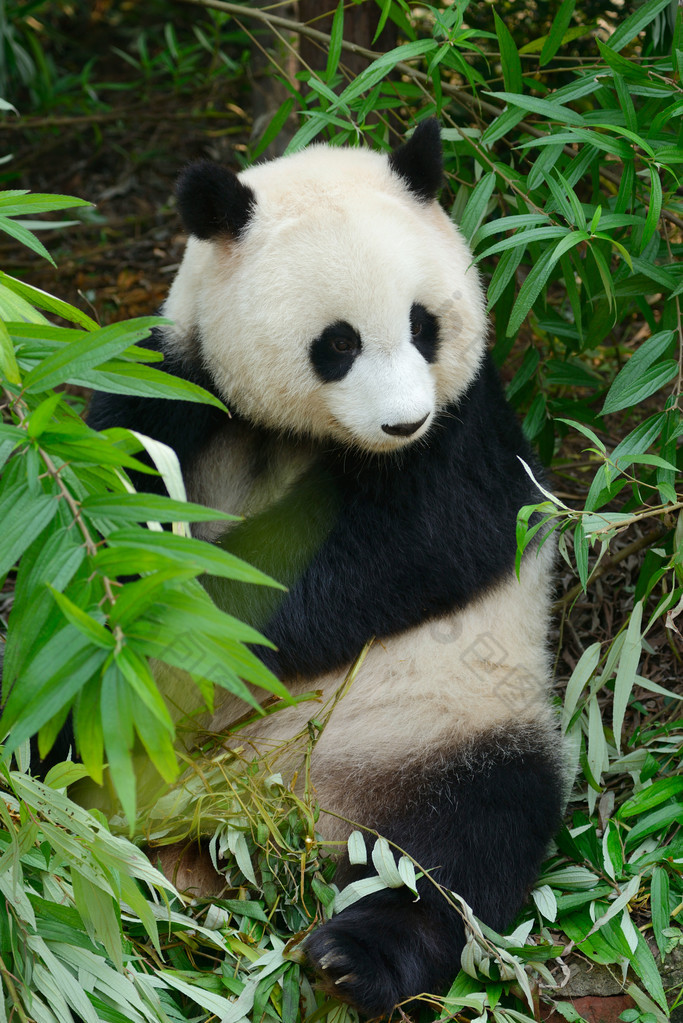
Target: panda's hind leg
[480, 821]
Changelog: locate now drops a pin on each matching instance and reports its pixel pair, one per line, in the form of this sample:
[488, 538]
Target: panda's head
[328, 292]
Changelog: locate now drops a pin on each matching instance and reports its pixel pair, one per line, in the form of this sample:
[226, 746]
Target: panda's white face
[346, 310]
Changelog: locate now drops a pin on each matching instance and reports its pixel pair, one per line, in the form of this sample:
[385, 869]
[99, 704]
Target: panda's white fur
[406, 697]
[332, 304]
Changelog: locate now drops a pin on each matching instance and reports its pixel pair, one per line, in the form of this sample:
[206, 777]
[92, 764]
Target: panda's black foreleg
[387, 948]
[480, 823]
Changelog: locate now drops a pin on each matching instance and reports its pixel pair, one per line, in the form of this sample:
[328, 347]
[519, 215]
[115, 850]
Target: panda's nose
[404, 429]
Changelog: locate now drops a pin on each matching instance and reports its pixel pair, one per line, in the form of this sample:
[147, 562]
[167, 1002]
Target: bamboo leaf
[502, 224]
[557, 31]
[9, 368]
[237, 844]
[117, 726]
[477, 204]
[545, 901]
[534, 283]
[644, 964]
[660, 820]
[581, 553]
[89, 350]
[619, 904]
[406, 869]
[273, 130]
[631, 26]
[655, 206]
[581, 675]
[145, 381]
[376, 71]
[643, 374]
[503, 274]
[533, 234]
[358, 890]
[223, 1008]
[42, 415]
[90, 628]
[156, 737]
[661, 791]
[336, 39]
[646, 1005]
[502, 124]
[140, 507]
[659, 903]
[15, 229]
[357, 851]
[24, 515]
[544, 107]
[88, 729]
[98, 912]
[509, 58]
[385, 864]
[185, 551]
[136, 672]
[626, 672]
[598, 757]
[386, 10]
[612, 850]
[19, 202]
[46, 301]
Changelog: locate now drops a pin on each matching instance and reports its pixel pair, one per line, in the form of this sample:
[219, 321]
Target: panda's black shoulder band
[213, 201]
[419, 161]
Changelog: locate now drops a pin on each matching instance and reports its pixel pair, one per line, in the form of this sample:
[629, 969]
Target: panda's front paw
[384, 950]
[354, 966]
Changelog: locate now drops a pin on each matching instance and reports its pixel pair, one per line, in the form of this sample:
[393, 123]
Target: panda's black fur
[419, 549]
[416, 536]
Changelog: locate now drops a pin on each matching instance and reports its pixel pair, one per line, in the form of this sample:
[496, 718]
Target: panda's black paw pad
[354, 967]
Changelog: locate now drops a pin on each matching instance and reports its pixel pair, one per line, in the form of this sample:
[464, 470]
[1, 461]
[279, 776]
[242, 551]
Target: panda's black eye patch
[334, 351]
[424, 332]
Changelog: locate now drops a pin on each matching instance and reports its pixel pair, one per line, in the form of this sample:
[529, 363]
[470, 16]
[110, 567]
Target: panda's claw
[376, 954]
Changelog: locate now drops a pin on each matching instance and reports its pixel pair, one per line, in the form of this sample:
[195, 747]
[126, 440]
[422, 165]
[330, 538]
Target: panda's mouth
[405, 429]
[386, 439]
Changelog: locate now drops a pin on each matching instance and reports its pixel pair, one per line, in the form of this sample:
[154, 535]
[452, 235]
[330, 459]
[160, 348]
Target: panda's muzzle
[405, 429]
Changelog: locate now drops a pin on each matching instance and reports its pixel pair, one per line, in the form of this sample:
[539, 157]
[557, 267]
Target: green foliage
[42, 65]
[90, 927]
[81, 632]
[563, 154]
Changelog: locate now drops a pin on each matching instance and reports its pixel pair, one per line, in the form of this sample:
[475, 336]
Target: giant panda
[331, 303]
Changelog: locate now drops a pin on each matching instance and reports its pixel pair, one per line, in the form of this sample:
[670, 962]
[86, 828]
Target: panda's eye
[344, 345]
[334, 352]
[424, 332]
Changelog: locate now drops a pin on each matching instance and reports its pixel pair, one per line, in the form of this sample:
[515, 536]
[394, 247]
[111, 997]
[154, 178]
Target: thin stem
[609, 563]
[8, 980]
[19, 407]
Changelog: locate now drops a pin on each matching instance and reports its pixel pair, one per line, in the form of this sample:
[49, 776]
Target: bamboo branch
[101, 117]
[609, 563]
[12, 991]
[73, 505]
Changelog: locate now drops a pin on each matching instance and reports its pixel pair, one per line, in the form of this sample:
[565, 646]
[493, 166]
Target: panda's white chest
[243, 471]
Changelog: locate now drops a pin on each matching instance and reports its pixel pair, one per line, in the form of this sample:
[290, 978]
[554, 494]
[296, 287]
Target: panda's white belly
[419, 695]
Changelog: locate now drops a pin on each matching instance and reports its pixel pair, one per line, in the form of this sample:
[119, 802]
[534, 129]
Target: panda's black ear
[213, 201]
[419, 161]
